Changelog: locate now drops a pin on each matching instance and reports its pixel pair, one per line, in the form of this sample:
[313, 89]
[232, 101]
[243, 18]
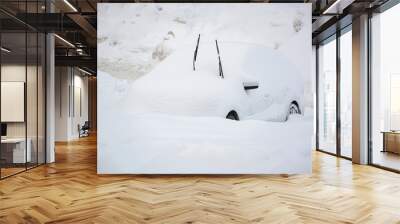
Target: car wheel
[294, 108]
[232, 115]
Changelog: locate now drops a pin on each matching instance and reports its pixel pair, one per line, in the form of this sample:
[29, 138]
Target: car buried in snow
[233, 80]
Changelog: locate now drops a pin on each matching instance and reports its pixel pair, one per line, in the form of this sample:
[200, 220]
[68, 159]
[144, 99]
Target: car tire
[232, 115]
[293, 109]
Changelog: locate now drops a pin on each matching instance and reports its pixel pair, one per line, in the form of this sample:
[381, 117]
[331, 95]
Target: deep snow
[165, 144]
[137, 141]
[158, 116]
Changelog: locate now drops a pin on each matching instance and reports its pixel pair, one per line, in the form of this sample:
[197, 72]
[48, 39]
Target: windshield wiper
[195, 53]
[221, 73]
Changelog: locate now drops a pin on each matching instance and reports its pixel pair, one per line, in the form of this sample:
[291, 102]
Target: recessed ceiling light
[328, 10]
[5, 50]
[64, 40]
[70, 5]
[84, 71]
[337, 7]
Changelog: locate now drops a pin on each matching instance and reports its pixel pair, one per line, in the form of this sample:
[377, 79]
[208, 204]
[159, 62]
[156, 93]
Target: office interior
[48, 79]
[26, 62]
[61, 57]
[48, 119]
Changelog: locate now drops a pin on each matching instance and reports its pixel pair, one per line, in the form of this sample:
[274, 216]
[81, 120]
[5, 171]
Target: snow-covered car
[225, 79]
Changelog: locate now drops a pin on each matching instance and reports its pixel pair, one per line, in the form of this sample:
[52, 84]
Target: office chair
[84, 130]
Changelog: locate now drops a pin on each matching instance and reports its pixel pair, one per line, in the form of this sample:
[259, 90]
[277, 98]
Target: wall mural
[204, 88]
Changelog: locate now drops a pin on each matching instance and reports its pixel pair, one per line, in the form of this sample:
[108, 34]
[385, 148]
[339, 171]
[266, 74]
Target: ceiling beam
[84, 24]
[82, 61]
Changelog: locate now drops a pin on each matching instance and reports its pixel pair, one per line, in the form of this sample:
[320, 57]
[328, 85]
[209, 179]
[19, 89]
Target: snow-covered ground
[145, 142]
[166, 144]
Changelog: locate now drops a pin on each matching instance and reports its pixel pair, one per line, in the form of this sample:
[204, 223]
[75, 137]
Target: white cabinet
[19, 155]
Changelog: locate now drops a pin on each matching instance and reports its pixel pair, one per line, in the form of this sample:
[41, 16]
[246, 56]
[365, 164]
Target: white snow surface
[153, 142]
[168, 144]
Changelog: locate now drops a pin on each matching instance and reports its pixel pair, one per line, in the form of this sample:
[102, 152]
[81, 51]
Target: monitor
[3, 129]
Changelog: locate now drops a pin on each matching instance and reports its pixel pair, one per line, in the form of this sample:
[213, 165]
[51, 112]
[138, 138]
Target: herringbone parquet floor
[70, 191]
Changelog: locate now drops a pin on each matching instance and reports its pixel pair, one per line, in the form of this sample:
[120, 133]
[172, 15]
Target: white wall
[70, 83]
[12, 73]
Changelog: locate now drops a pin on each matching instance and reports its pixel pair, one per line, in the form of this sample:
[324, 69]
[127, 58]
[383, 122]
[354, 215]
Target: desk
[15, 148]
[391, 141]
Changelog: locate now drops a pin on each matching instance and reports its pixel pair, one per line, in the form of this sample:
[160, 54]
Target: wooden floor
[70, 191]
[386, 159]
[5, 172]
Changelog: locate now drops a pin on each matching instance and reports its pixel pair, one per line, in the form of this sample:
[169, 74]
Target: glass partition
[346, 93]
[14, 155]
[385, 89]
[31, 99]
[327, 96]
[22, 101]
[335, 94]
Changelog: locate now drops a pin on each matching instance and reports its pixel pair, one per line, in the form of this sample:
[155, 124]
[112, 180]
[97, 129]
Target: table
[391, 141]
[13, 150]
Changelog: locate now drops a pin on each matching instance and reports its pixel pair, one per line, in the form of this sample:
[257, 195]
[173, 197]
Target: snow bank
[159, 143]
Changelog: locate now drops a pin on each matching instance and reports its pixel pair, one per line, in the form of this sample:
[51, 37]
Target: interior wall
[92, 88]
[71, 102]
[14, 73]
[61, 103]
[80, 102]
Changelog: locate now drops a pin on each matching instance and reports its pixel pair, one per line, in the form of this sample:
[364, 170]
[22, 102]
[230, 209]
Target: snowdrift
[165, 144]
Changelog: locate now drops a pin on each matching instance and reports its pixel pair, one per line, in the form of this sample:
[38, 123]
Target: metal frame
[338, 97]
[369, 96]
[316, 97]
